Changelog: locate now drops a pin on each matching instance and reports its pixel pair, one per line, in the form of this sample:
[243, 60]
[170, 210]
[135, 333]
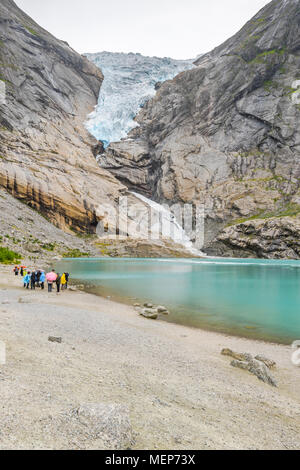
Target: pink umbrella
[51, 276]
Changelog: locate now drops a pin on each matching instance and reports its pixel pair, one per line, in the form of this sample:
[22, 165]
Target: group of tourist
[37, 278]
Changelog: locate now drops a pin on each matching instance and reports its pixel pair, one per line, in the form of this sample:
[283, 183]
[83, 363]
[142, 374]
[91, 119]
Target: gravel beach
[167, 385]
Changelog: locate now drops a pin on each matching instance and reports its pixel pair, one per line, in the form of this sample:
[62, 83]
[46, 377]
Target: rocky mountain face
[46, 154]
[35, 239]
[47, 157]
[226, 134]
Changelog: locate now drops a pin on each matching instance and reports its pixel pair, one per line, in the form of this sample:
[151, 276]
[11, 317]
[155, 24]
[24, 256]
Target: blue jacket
[26, 279]
[43, 277]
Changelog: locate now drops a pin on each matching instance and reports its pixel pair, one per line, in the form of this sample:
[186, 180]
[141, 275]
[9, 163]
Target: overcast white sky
[175, 28]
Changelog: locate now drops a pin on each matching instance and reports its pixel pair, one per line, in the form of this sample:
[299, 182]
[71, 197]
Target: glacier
[129, 82]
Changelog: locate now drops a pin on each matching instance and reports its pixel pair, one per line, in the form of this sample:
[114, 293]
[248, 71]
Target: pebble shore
[170, 382]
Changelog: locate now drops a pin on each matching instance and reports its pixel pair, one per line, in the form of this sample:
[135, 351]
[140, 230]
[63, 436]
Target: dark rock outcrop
[227, 135]
[46, 154]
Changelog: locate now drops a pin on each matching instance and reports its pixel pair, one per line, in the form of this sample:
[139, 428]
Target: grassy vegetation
[104, 248]
[48, 246]
[269, 85]
[31, 30]
[9, 257]
[75, 253]
[260, 57]
[260, 20]
[290, 210]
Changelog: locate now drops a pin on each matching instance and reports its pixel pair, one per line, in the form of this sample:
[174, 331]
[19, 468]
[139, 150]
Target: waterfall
[164, 224]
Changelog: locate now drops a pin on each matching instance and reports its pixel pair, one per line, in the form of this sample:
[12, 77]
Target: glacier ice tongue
[129, 82]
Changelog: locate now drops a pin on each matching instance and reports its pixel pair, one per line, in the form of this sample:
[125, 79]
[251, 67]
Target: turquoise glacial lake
[252, 298]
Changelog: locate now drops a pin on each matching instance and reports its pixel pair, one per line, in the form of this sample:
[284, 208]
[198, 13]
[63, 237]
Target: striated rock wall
[277, 237]
[227, 134]
[46, 154]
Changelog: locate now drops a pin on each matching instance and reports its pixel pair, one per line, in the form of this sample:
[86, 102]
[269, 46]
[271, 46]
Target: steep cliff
[46, 154]
[227, 135]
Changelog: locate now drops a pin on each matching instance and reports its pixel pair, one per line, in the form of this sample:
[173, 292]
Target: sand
[180, 391]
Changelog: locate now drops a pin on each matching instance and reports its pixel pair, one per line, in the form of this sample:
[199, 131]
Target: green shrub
[75, 253]
[48, 246]
[9, 257]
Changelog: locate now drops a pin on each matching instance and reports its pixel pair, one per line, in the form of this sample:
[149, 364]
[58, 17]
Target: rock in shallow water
[162, 309]
[149, 313]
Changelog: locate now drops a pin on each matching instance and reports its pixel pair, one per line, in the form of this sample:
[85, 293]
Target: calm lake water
[254, 298]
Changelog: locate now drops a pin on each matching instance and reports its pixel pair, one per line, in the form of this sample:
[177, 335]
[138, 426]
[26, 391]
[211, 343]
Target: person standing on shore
[42, 279]
[63, 281]
[58, 282]
[38, 277]
[26, 280]
[67, 275]
[51, 277]
[16, 270]
[32, 280]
